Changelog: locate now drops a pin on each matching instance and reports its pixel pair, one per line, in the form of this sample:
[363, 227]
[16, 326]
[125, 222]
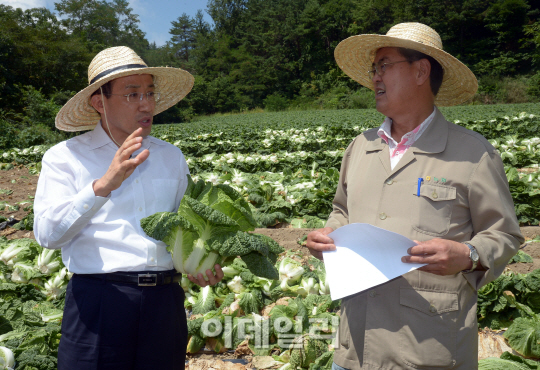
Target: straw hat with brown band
[77, 114]
[355, 57]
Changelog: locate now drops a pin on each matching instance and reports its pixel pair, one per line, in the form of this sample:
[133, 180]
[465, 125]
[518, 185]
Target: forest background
[257, 54]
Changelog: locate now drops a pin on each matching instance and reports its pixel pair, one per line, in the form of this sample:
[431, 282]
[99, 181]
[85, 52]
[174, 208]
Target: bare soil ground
[18, 185]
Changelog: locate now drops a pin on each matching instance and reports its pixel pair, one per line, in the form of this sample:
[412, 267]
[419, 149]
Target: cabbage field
[285, 166]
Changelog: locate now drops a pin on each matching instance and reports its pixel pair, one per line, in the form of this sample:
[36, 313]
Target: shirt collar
[385, 130]
[100, 138]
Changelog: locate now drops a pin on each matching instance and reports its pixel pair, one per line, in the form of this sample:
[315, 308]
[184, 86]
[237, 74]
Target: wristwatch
[473, 255]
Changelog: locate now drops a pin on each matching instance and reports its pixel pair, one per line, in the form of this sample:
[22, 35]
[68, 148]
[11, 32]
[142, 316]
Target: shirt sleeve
[340, 214]
[61, 208]
[184, 171]
[497, 236]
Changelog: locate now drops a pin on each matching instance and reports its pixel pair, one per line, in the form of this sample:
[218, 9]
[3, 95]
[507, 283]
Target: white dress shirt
[103, 234]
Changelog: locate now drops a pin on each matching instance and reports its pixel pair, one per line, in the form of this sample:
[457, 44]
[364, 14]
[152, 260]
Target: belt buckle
[147, 280]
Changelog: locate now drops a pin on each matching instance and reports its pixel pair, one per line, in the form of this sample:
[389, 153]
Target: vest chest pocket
[432, 209]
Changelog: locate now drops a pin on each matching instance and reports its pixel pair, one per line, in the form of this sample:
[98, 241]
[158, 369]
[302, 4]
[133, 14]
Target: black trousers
[110, 325]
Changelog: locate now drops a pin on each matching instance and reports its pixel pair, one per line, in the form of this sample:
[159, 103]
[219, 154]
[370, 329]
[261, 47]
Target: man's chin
[380, 106]
[146, 129]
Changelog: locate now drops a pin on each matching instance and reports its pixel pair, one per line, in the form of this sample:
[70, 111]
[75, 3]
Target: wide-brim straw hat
[173, 84]
[355, 56]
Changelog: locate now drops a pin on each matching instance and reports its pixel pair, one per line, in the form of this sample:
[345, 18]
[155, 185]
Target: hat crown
[416, 32]
[112, 58]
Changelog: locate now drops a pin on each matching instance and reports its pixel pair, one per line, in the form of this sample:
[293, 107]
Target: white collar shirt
[397, 150]
[103, 234]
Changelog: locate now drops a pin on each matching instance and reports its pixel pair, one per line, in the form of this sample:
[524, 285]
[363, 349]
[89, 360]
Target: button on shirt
[103, 234]
[397, 150]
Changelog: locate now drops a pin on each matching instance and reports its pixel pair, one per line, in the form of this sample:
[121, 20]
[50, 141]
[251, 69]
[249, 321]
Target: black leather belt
[138, 278]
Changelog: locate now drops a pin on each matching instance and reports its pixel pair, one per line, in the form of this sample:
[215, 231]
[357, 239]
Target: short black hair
[107, 90]
[437, 72]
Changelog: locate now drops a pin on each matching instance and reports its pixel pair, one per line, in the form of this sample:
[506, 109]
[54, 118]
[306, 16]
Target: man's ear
[424, 70]
[97, 103]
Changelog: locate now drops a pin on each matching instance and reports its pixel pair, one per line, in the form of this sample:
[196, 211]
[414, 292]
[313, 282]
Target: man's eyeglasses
[380, 69]
[136, 97]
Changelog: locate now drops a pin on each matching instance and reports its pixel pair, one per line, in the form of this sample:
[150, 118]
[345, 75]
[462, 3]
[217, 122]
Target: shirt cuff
[87, 201]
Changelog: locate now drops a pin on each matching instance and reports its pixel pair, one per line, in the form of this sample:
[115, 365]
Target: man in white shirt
[124, 308]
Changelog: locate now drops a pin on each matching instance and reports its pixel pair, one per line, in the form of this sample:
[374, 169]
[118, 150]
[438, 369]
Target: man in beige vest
[432, 181]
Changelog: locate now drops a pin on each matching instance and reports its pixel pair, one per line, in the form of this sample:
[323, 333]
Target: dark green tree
[183, 37]
[35, 50]
[103, 24]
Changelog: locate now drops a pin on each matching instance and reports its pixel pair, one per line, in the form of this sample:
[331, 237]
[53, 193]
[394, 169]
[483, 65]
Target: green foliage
[499, 66]
[305, 350]
[205, 301]
[33, 359]
[323, 362]
[275, 102]
[533, 85]
[37, 51]
[521, 257]
[533, 31]
[493, 363]
[256, 53]
[289, 170]
[38, 110]
[524, 336]
[9, 134]
[532, 364]
[524, 333]
[251, 301]
[29, 320]
[102, 23]
[38, 135]
[35, 126]
[499, 90]
[496, 310]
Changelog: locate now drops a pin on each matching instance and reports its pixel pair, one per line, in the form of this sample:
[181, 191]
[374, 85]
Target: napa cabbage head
[7, 359]
[290, 271]
[17, 250]
[49, 261]
[211, 227]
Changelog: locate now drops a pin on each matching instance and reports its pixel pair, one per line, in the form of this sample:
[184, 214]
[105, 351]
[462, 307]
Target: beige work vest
[421, 320]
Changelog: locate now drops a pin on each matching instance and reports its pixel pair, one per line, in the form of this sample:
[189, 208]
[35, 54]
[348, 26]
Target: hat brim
[173, 84]
[355, 56]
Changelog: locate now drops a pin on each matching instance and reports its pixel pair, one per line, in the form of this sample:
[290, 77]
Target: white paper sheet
[365, 256]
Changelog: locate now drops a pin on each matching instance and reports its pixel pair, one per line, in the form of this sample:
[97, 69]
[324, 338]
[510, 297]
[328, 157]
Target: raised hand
[122, 166]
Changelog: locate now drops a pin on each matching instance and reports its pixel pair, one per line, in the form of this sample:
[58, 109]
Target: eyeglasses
[380, 69]
[136, 97]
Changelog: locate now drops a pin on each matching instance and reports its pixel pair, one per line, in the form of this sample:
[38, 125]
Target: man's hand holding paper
[361, 257]
[441, 256]
[318, 241]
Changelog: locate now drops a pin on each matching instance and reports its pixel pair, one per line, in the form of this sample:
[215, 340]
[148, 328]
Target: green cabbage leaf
[211, 227]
